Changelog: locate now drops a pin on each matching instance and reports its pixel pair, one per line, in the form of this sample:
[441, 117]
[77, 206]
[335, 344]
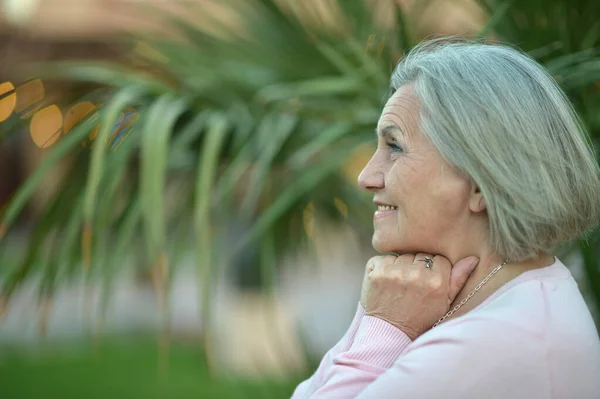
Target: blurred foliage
[126, 370]
[252, 124]
[252, 130]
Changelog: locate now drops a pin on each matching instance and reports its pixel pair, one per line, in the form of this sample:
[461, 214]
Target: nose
[371, 178]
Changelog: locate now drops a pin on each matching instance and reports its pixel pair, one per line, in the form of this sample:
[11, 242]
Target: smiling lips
[384, 210]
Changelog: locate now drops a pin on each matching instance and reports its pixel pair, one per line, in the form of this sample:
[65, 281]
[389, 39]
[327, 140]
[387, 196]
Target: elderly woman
[481, 168]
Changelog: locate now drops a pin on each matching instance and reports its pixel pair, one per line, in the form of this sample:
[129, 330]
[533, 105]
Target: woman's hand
[404, 292]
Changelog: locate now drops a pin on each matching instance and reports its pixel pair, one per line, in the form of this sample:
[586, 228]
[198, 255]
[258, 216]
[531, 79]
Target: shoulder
[495, 353]
[485, 339]
[528, 318]
[539, 302]
[546, 305]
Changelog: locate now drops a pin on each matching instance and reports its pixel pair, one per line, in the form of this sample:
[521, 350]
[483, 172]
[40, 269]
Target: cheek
[447, 202]
[409, 185]
[398, 181]
[427, 198]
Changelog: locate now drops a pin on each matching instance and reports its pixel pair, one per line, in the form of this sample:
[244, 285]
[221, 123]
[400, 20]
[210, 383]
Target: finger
[404, 259]
[420, 259]
[442, 264]
[459, 275]
[388, 261]
[380, 263]
[371, 264]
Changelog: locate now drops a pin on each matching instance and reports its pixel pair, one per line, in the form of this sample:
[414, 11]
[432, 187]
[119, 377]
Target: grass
[122, 370]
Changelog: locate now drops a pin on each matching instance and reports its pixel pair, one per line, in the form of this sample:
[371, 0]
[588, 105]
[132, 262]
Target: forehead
[401, 109]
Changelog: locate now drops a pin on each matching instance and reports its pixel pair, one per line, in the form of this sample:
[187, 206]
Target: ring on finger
[428, 261]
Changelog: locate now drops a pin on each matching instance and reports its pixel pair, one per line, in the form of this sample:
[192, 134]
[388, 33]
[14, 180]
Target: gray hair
[500, 119]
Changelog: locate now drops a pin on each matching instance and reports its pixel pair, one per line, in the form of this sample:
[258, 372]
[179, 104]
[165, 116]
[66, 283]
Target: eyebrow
[387, 131]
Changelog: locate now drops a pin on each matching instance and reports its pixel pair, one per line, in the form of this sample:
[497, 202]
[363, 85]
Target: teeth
[386, 208]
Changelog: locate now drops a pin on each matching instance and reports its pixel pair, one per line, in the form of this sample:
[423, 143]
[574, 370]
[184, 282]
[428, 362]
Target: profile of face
[423, 204]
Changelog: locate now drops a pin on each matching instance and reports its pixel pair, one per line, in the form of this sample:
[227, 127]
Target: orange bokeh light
[77, 113]
[8, 100]
[46, 126]
[29, 94]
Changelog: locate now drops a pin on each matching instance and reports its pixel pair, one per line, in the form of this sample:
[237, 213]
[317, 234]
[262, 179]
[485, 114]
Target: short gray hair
[500, 119]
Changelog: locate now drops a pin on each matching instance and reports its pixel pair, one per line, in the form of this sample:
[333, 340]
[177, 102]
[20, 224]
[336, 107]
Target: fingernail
[474, 260]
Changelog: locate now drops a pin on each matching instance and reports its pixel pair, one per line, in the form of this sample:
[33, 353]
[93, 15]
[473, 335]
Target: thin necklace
[485, 280]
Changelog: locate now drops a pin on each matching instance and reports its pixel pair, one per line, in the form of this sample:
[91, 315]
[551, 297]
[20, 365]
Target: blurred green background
[126, 369]
[178, 208]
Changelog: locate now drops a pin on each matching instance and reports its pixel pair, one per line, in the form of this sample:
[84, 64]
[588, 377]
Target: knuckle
[412, 277]
[435, 283]
[371, 263]
[406, 258]
[375, 275]
[398, 279]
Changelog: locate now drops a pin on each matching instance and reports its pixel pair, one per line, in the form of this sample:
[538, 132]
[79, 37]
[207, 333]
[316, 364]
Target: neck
[509, 271]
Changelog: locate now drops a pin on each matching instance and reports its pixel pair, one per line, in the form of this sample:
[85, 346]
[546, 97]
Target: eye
[394, 147]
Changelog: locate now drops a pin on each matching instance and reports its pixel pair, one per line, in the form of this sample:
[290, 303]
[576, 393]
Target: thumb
[459, 275]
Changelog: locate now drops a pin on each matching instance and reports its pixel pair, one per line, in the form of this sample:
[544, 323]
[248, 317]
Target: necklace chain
[485, 280]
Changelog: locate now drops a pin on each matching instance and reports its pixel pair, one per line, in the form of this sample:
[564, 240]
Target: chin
[384, 246]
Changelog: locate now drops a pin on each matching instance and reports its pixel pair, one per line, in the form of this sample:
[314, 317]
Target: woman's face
[423, 202]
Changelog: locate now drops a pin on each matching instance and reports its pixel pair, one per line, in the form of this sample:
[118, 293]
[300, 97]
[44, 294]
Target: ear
[476, 202]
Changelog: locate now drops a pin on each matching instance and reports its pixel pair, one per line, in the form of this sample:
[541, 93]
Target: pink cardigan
[534, 338]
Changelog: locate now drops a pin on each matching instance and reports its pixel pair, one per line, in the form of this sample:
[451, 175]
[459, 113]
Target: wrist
[378, 342]
[406, 329]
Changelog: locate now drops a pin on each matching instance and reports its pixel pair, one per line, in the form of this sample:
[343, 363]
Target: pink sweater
[534, 338]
